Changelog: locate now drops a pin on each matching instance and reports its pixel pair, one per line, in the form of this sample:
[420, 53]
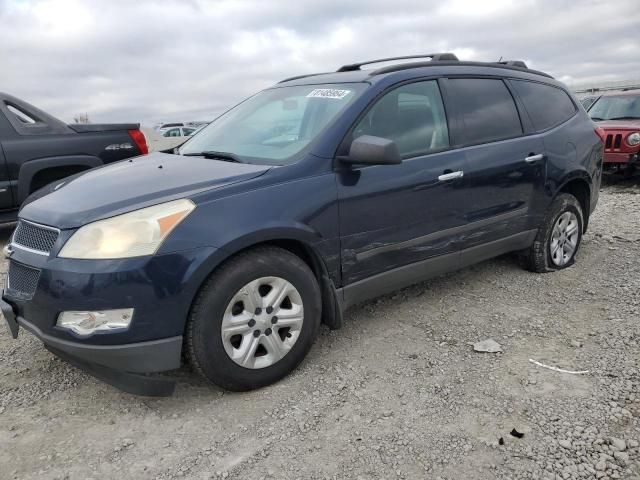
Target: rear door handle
[451, 176]
[534, 158]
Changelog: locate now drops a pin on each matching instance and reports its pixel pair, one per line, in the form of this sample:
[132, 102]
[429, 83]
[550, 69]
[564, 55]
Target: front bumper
[10, 317]
[617, 157]
[118, 365]
[141, 357]
[159, 288]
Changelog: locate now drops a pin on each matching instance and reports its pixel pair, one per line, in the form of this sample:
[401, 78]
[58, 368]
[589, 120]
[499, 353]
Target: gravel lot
[398, 393]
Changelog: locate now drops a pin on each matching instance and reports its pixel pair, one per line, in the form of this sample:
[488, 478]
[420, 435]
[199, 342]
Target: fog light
[86, 323]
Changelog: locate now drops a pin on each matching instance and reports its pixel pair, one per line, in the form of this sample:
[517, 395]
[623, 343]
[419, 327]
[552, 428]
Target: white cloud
[475, 8]
[146, 60]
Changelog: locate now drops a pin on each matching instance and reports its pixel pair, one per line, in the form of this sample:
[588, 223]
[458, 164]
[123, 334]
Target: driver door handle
[534, 158]
[451, 176]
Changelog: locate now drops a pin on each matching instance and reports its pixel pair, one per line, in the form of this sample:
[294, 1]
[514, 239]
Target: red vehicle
[618, 118]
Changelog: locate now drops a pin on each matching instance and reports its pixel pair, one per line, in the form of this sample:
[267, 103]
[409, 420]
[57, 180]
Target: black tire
[203, 337]
[539, 256]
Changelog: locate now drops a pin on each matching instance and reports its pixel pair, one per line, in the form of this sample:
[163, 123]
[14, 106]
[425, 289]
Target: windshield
[616, 108]
[275, 125]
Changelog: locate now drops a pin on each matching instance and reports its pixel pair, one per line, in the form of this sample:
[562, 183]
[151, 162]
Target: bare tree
[82, 118]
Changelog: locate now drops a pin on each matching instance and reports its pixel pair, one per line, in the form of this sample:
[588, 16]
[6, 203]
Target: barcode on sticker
[328, 93]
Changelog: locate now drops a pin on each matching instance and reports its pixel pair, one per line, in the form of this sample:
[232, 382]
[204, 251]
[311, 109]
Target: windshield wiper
[212, 155]
[630, 117]
[597, 119]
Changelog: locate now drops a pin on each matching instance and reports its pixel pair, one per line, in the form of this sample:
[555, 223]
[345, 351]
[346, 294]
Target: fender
[578, 174]
[583, 177]
[29, 169]
[296, 232]
[316, 250]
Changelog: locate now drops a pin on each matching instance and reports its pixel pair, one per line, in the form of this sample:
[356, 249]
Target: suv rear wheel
[254, 320]
[559, 236]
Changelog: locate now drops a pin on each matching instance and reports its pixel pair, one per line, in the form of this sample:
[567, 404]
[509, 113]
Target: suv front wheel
[254, 320]
[559, 236]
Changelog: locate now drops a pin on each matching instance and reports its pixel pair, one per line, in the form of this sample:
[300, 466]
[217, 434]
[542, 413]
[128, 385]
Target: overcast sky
[126, 60]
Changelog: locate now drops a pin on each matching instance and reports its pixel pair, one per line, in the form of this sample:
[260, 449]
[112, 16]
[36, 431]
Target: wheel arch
[300, 243]
[30, 170]
[331, 312]
[580, 187]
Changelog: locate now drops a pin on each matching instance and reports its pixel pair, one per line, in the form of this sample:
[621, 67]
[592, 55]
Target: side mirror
[370, 150]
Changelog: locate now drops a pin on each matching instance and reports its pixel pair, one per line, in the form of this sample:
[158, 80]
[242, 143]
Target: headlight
[634, 139]
[132, 234]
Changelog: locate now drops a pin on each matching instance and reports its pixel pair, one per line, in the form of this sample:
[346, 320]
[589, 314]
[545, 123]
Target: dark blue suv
[313, 195]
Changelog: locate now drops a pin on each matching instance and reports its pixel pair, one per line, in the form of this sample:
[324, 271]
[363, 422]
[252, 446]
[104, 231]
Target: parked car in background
[307, 198]
[164, 126]
[178, 132]
[37, 149]
[588, 101]
[618, 117]
[159, 143]
[200, 127]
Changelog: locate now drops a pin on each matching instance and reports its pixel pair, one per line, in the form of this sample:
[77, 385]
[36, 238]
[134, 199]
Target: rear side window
[547, 106]
[412, 116]
[173, 132]
[486, 109]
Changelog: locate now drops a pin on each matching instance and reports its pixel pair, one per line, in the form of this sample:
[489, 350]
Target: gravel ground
[398, 393]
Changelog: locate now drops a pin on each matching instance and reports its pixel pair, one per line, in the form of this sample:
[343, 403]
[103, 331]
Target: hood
[620, 124]
[129, 185]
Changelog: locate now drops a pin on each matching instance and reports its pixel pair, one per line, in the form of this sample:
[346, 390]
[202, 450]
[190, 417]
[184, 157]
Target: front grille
[22, 280]
[617, 141]
[35, 237]
[613, 141]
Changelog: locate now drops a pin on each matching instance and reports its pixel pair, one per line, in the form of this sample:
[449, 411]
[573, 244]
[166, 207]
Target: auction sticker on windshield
[328, 93]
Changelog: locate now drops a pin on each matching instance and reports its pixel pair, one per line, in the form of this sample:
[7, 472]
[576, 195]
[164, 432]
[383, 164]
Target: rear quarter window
[547, 106]
[486, 108]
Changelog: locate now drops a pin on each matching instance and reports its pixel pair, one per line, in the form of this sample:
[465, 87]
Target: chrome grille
[35, 237]
[22, 280]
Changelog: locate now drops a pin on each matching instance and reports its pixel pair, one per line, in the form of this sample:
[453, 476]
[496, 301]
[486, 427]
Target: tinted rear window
[547, 106]
[487, 109]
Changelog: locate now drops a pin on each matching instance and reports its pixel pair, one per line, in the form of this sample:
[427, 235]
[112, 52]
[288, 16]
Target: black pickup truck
[37, 149]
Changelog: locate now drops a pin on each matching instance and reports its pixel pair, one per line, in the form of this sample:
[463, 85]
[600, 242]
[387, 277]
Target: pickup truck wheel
[559, 236]
[254, 320]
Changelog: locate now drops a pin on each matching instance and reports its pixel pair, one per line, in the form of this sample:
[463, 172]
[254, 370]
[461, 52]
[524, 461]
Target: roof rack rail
[297, 77]
[407, 66]
[514, 63]
[435, 57]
